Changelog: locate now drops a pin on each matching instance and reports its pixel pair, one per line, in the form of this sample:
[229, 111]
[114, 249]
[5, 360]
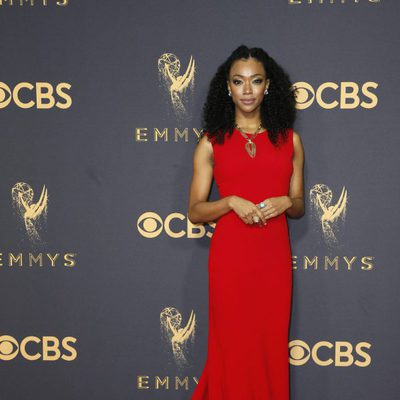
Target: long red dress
[250, 279]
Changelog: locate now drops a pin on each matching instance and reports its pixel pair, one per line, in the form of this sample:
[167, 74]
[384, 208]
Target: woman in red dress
[249, 147]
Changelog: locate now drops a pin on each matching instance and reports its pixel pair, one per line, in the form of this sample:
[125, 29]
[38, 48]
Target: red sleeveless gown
[250, 279]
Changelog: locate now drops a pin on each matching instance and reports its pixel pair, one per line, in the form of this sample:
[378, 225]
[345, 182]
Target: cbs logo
[33, 348]
[339, 354]
[42, 95]
[175, 225]
[346, 95]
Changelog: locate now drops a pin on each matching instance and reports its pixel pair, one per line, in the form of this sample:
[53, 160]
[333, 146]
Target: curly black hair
[277, 110]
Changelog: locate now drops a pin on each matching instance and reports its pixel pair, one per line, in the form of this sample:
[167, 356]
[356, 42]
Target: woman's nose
[247, 88]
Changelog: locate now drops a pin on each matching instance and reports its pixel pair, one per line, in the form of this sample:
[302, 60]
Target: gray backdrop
[96, 328]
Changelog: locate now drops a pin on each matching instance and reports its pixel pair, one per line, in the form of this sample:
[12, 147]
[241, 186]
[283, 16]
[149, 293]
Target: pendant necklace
[250, 146]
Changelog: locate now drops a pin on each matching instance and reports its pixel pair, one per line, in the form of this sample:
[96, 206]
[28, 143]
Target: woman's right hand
[246, 210]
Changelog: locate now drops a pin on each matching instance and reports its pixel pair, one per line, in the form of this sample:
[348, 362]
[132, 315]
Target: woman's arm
[201, 210]
[296, 190]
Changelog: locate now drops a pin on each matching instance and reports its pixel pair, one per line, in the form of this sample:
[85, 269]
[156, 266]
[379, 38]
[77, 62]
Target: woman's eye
[237, 82]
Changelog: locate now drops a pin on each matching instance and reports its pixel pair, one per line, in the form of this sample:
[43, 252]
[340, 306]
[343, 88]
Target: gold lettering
[294, 262]
[318, 95]
[36, 259]
[167, 223]
[53, 259]
[18, 102]
[67, 258]
[369, 95]
[30, 357]
[143, 380]
[352, 95]
[141, 135]
[346, 353]
[368, 265]
[308, 262]
[179, 383]
[197, 132]
[314, 353]
[51, 345]
[181, 134]
[192, 228]
[362, 353]
[65, 344]
[12, 259]
[44, 90]
[162, 134]
[349, 262]
[63, 95]
[163, 382]
[329, 263]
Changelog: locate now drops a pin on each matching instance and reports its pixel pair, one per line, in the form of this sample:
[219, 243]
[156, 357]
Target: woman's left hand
[275, 206]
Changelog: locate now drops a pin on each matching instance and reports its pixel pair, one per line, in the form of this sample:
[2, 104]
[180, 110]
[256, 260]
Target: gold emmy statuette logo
[171, 320]
[169, 67]
[327, 213]
[31, 213]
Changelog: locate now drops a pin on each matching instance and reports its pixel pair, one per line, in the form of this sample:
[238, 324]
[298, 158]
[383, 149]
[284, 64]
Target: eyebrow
[250, 76]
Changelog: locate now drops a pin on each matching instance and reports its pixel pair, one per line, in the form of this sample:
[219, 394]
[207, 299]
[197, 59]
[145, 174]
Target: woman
[256, 158]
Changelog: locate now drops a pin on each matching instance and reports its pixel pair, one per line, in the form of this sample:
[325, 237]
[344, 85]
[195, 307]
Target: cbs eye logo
[175, 225]
[41, 94]
[346, 95]
[339, 354]
[33, 348]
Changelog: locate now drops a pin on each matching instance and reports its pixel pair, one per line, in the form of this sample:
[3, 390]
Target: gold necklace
[249, 146]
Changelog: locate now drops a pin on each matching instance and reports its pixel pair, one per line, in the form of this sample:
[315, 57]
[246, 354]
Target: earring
[230, 94]
[266, 92]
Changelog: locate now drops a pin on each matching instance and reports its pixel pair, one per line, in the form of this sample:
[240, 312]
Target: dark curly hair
[277, 110]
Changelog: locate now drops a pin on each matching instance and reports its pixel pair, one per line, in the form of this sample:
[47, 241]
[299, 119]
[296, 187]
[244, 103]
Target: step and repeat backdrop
[103, 279]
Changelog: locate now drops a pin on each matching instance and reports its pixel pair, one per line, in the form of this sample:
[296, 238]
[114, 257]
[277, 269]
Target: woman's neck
[249, 121]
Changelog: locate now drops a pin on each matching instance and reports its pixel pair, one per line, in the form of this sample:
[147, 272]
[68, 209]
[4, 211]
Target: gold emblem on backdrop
[175, 335]
[44, 3]
[338, 353]
[331, 2]
[177, 84]
[328, 213]
[332, 95]
[33, 214]
[47, 348]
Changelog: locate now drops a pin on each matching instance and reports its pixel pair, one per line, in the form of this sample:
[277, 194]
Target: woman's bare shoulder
[204, 148]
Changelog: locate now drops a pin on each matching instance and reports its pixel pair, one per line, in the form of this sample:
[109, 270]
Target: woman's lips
[248, 101]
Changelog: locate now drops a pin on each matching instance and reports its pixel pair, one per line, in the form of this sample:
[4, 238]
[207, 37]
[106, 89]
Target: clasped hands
[251, 213]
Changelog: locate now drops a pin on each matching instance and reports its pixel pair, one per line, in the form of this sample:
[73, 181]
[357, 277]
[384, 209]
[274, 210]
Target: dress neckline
[249, 133]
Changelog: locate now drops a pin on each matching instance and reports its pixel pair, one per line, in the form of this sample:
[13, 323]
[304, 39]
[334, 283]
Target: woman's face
[247, 82]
